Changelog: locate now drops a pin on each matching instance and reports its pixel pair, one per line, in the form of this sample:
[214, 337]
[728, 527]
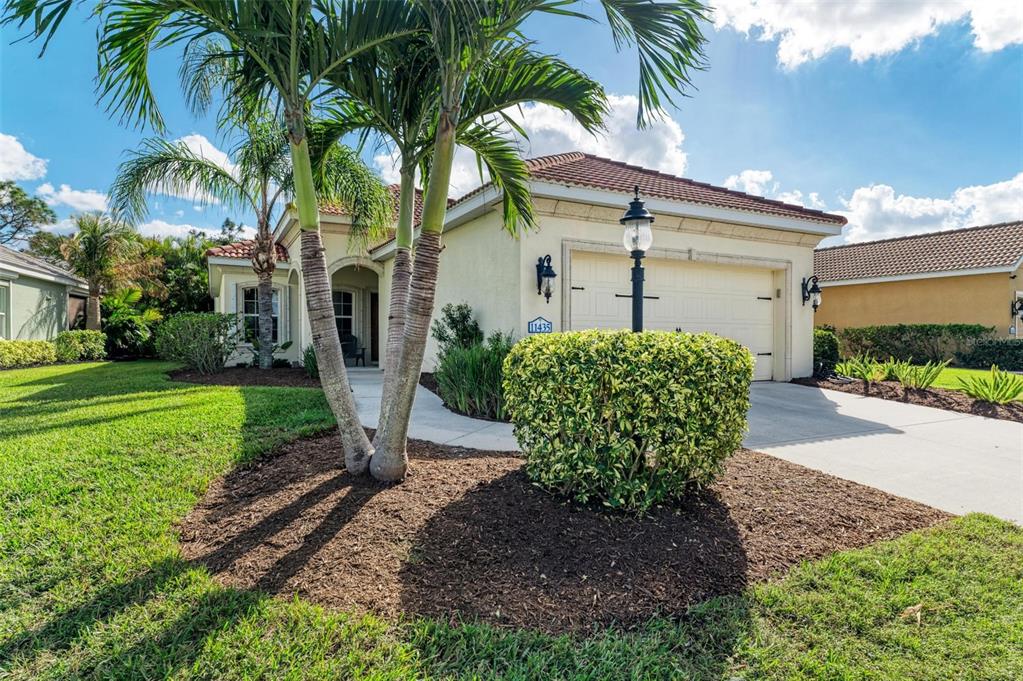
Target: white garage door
[733, 302]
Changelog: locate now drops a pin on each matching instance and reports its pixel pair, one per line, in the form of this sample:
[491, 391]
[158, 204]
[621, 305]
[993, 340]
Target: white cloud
[878, 212]
[63, 227]
[810, 29]
[551, 131]
[811, 200]
[201, 146]
[161, 228]
[76, 199]
[16, 163]
[751, 182]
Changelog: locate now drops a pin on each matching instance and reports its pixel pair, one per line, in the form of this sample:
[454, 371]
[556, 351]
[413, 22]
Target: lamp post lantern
[637, 239]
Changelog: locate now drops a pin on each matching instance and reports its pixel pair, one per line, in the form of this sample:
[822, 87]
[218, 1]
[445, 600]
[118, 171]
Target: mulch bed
[467, 536]
[941, 398]
[281, 377]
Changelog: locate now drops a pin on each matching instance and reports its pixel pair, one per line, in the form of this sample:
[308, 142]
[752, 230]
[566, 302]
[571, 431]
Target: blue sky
[905, 120]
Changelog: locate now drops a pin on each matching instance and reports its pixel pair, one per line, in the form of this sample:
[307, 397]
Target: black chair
[350, 350]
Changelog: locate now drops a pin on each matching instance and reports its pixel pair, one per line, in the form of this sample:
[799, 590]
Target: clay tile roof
[243, 249]
[987, 246]
[587, 170]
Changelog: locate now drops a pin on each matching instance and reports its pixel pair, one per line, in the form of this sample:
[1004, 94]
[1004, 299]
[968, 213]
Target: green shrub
[1005, 352]
[469, 379]
[629, 419]
[203, 341]
[24, 353]
[76, 346]
[925, 342]
[312, 369]
[456, 328]
[129, 328]
[999, 386]
[919, 377]
[825, 352]
[863, 367]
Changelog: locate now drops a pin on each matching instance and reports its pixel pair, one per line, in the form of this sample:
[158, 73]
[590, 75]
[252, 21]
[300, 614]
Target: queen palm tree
[108, 254]
[261, 181]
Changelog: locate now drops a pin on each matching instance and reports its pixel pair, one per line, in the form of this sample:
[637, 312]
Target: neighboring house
[958, 276]
[721, 261]
[37, 300]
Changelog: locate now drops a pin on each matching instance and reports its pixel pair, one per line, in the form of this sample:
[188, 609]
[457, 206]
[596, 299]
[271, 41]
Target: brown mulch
[467, 536]
[281, 377]
[941, 398]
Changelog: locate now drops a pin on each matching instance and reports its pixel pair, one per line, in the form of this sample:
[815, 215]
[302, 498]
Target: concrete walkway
[956, 462]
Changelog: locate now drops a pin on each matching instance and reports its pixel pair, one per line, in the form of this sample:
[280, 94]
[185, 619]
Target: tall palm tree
[261, 181]
[469, 40]
[276, 51]
[108, 254]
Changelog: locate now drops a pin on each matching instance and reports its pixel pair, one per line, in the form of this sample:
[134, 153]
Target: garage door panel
[732, 302]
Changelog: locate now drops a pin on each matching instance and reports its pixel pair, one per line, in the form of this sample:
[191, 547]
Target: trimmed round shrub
[825, 352]
[631, 420]
[77, 346]
[202, 341]
[1007, 353]
[24, 353]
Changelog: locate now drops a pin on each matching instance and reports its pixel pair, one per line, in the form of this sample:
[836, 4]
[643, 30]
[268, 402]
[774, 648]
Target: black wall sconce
[545, 277]
[812, 292]
[1017, 308]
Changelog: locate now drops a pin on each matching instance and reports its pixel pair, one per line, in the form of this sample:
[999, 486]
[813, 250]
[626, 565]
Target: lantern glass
[816, 299]
[638, 235]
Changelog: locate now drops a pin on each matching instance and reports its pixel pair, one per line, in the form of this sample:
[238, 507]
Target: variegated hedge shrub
[631, 420]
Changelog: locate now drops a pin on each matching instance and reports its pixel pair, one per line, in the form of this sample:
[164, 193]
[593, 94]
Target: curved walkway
[956, 462]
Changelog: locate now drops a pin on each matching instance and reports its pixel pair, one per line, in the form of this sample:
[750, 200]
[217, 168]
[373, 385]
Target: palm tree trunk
[390, 461]
[264, 294]
[400, 276]
[326, 343]
[92, 313]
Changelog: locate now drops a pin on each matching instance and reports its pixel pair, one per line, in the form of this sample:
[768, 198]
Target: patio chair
[351, 350]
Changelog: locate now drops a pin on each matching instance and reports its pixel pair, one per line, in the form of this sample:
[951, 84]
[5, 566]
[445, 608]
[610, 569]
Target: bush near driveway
[23, 353]
[628, 419]
[912, 342]
[1007, 353]
[76, 346]
[825, 352]
[203, 341]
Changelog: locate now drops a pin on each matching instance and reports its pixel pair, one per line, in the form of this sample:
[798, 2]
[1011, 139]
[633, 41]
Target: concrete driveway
[956, 462]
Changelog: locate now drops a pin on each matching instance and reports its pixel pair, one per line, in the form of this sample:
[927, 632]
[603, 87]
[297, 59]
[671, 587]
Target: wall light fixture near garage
[812, 292]
[545, 275]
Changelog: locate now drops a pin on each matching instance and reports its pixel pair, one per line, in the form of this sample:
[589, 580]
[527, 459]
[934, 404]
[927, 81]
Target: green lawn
[98, 460]
[949, 377]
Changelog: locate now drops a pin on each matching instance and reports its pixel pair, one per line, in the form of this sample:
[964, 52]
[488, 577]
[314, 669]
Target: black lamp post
[637, 240]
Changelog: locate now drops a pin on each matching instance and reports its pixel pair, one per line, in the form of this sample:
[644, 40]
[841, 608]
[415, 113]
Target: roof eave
[1004, 269]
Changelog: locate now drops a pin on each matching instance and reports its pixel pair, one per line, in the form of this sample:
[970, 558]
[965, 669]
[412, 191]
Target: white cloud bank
[162, 228]
[16, 163]
[76, 199]
[878, 212]
[811, 29]
[762, 183]
[551, 131]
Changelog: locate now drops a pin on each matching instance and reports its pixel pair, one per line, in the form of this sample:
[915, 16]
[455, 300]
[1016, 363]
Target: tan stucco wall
[232, 279]
[975, 299]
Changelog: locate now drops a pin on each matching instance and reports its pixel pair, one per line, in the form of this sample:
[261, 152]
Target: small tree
[21, 214]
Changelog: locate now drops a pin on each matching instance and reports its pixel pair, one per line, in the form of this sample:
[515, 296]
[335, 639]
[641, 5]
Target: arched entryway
[355, 290]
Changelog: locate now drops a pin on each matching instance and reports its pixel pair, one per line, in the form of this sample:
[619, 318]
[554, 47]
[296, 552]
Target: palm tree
[471, 41]
[261, 182]
[276, 51]
[108, 254]
[394, 92]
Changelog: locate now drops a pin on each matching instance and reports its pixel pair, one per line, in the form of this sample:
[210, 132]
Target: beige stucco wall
[974, 299]
[232, 279]
[38, 309]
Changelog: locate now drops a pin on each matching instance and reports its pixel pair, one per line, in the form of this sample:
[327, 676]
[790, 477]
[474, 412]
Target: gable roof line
[33, 266]
[924, 235]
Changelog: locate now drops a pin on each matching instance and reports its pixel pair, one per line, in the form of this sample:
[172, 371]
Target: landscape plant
[456, 328]
[23, 353]
[998, 387]
[203, 341]
[81, 345]
[1007, 353]
[919, 377]
[627, 420]
[21, 214]
[469, 378]
[923, 342]
[825, 352]
[863, 367]
[128, 325]
[309, 362]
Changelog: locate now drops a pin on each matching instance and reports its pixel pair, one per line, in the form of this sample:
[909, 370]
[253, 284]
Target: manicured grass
[98, 460]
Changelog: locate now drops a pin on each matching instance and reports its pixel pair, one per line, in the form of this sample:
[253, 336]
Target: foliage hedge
[1006, 353]
[917, 342]
[24, 353]
[76, 346]
[203, 341]
[469, 379]
[825, 352]
[628, 419]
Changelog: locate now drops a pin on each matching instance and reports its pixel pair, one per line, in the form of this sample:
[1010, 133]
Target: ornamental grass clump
[629, 420]
[998, 387]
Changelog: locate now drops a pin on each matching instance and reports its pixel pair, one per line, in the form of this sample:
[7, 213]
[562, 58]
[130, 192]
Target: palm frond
[508, 172]
[344, 180]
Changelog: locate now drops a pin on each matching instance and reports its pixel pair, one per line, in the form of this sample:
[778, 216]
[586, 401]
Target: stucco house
[37, 300]
[721, 261]
[967, 275]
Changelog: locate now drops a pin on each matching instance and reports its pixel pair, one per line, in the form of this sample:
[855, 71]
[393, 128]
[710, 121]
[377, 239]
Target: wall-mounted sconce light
[811, 292]
[545, 277]
[1017, 308]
